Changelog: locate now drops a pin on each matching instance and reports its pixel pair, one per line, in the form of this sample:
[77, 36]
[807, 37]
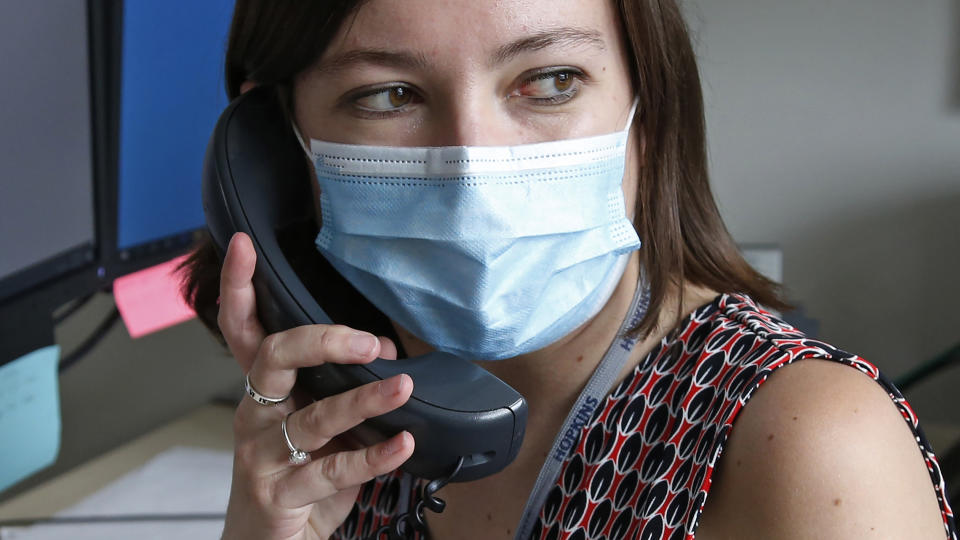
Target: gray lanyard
[589, 399]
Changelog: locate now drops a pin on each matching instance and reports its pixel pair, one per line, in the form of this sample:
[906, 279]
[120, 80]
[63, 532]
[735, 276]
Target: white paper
[178, 481]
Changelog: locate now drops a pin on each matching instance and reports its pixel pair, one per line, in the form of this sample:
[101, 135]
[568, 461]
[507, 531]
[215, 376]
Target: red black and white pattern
[642, 466]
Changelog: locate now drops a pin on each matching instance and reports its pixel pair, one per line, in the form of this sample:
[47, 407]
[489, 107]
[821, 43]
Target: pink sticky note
[149, 300]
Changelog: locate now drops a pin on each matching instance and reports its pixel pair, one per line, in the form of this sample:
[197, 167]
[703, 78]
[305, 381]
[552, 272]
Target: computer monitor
[169, 80]
[47, 192]
[51, 197]
[105, 113]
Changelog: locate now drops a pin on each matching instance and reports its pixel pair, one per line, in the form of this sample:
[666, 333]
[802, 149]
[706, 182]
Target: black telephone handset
[255, 180]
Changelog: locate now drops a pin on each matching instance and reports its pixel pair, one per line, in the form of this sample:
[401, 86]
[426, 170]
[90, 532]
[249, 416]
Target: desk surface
[209, 426]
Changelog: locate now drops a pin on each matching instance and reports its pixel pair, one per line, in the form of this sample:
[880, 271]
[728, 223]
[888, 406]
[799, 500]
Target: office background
[834, 132]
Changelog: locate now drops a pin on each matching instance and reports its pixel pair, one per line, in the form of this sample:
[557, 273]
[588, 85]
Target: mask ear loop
[633, 112]
[303, 144]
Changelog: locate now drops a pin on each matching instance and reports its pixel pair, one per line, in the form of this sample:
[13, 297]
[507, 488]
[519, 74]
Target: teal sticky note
[29, 414]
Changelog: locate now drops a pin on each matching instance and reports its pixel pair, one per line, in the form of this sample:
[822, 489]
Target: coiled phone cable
[406, 524]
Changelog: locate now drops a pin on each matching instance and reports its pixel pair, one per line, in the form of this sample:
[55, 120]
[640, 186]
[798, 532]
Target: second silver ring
[297, 456]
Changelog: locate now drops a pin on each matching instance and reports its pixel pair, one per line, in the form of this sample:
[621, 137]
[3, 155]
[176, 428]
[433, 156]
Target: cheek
[412, 345]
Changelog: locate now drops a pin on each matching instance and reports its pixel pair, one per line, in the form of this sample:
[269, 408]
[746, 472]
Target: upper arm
[821, 451]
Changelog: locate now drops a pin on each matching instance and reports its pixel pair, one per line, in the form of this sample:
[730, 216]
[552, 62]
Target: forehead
[470, 28]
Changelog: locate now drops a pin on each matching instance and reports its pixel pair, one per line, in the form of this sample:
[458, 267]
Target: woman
[803, 458]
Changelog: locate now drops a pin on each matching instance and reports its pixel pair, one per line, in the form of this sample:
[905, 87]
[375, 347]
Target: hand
[269, 497]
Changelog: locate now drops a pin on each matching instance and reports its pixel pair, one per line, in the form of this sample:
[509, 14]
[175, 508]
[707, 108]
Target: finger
[312, 427]
[275, 368]
[316, 428]
[326, 476]
[388, 349]
[335, 508]
[238, 307]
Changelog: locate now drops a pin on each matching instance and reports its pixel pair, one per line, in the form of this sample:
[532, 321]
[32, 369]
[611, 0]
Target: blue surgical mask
[483, 252]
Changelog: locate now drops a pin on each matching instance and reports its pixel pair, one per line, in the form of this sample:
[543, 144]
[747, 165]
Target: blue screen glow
[172, 94]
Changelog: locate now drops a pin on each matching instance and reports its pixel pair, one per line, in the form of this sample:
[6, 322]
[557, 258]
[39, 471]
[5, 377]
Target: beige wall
[834, 131]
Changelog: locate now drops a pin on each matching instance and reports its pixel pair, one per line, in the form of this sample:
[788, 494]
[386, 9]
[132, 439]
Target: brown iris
[399, 96]
[562, 81]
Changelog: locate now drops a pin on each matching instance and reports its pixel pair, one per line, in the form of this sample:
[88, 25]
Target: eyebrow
[565, 37]
[397, 59]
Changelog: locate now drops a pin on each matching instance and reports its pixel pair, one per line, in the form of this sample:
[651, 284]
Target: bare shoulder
[821, 451]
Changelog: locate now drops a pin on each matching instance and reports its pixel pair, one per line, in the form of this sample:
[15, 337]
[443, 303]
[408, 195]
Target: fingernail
[362, 343]
[394, 445]
[391, 386]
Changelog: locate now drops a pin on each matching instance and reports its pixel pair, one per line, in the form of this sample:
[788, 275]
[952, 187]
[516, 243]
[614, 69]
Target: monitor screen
[47, 223]
[171, 94]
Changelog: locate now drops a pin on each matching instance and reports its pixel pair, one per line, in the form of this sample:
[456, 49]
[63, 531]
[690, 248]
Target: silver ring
[297, 456]
[260, 398]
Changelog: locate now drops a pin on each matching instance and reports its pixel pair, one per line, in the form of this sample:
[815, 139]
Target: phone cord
[405, 525]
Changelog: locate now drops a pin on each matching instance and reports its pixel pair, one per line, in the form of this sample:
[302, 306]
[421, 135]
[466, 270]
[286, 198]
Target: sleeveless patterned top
[642, 466]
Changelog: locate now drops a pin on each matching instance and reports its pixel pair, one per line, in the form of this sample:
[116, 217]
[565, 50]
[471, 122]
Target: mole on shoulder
[770, 437]
[794, 417]
[836, 502]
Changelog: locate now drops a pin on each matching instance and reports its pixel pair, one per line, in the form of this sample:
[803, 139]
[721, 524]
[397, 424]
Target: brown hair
[684, 238]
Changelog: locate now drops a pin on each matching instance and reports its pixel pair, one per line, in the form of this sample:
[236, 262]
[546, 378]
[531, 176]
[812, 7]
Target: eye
[388, 99]
[550, 87]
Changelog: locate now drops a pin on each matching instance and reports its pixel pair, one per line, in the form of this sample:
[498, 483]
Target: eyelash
[352, 100]
[578, 79]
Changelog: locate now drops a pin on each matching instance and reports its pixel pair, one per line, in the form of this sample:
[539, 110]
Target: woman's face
[470, 73]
